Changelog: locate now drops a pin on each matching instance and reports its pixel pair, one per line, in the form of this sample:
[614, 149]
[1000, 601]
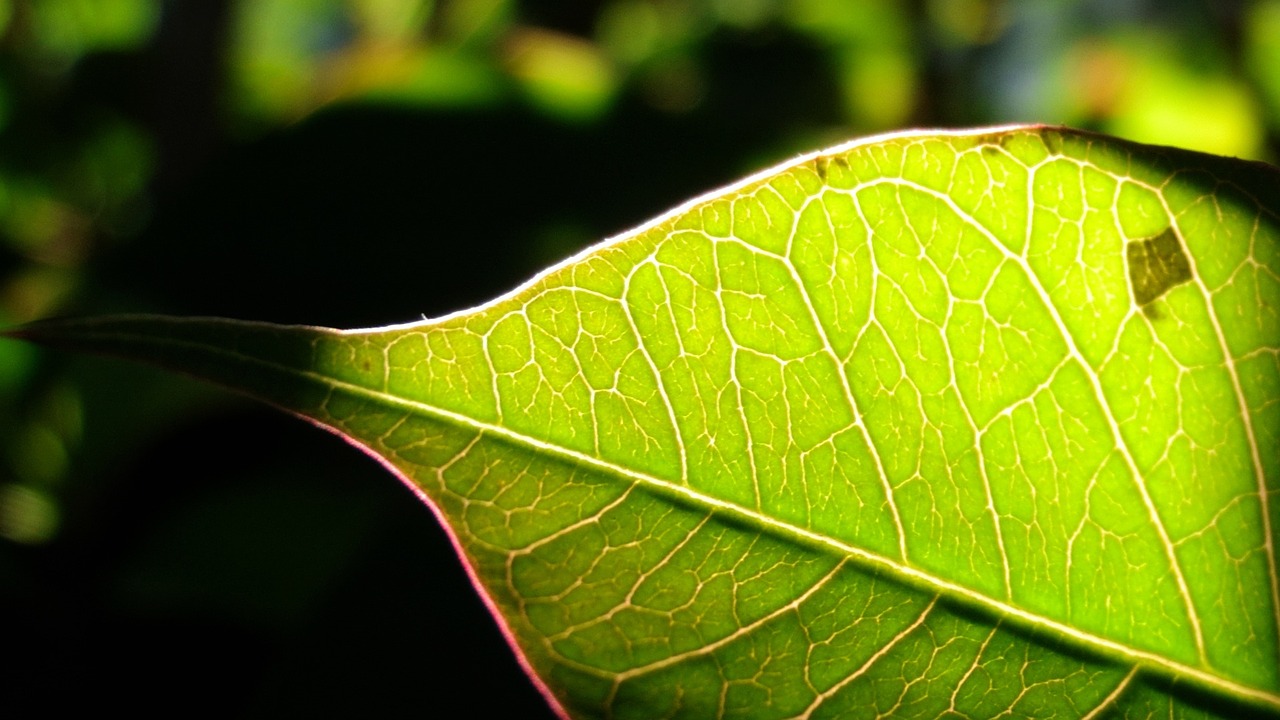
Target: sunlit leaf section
[1037, 366]
[935, 425]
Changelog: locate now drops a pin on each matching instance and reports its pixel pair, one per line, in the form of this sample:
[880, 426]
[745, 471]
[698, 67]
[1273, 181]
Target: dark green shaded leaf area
[964, 425]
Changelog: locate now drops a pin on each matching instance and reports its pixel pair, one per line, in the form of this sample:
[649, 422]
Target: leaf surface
[970, 424]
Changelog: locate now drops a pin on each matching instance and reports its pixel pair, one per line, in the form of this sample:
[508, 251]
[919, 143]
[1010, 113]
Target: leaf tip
[48, 331]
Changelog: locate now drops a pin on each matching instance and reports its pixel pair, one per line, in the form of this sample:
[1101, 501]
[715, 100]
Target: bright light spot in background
[654, 46]
[71, 28]
[426, 77]
[1262, 54]
[272, 55]
[391, 20]
[285, 63]
[473, 22]
[403, 53]
[27, 515]
[879, 88]
[561, 74]
[39, 457]
[629, 30]
[872, 50]
[1139, 89]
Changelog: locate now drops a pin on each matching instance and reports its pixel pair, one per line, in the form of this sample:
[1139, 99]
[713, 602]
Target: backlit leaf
[970, 424]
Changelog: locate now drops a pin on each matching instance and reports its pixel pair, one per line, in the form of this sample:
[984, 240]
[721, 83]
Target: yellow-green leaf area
[970, 424]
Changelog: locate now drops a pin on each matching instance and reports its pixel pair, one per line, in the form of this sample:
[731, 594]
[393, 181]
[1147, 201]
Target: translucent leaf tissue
[938, 424]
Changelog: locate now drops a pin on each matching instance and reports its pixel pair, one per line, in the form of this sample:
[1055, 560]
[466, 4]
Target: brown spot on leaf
[823, 163]
[1156, 264]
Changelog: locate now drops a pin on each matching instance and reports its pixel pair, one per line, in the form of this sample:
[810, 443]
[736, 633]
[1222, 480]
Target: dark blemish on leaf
[366, 365]
[1156, 264]
[820, 166]
[823, 163]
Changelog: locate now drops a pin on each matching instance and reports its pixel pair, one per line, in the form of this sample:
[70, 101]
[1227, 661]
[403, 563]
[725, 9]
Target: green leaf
[935, 424]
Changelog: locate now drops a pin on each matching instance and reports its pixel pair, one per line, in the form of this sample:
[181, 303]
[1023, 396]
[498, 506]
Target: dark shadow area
[279, 573]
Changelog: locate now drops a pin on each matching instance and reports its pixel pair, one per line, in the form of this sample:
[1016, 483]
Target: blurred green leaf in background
[362, 162]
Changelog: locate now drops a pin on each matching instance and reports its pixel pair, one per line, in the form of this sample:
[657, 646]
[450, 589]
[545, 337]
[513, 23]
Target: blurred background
[360, 162]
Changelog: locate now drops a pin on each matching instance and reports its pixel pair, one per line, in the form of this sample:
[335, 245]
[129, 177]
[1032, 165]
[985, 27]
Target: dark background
[367, 162]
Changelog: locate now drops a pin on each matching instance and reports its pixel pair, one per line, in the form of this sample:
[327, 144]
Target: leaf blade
[705, 366]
